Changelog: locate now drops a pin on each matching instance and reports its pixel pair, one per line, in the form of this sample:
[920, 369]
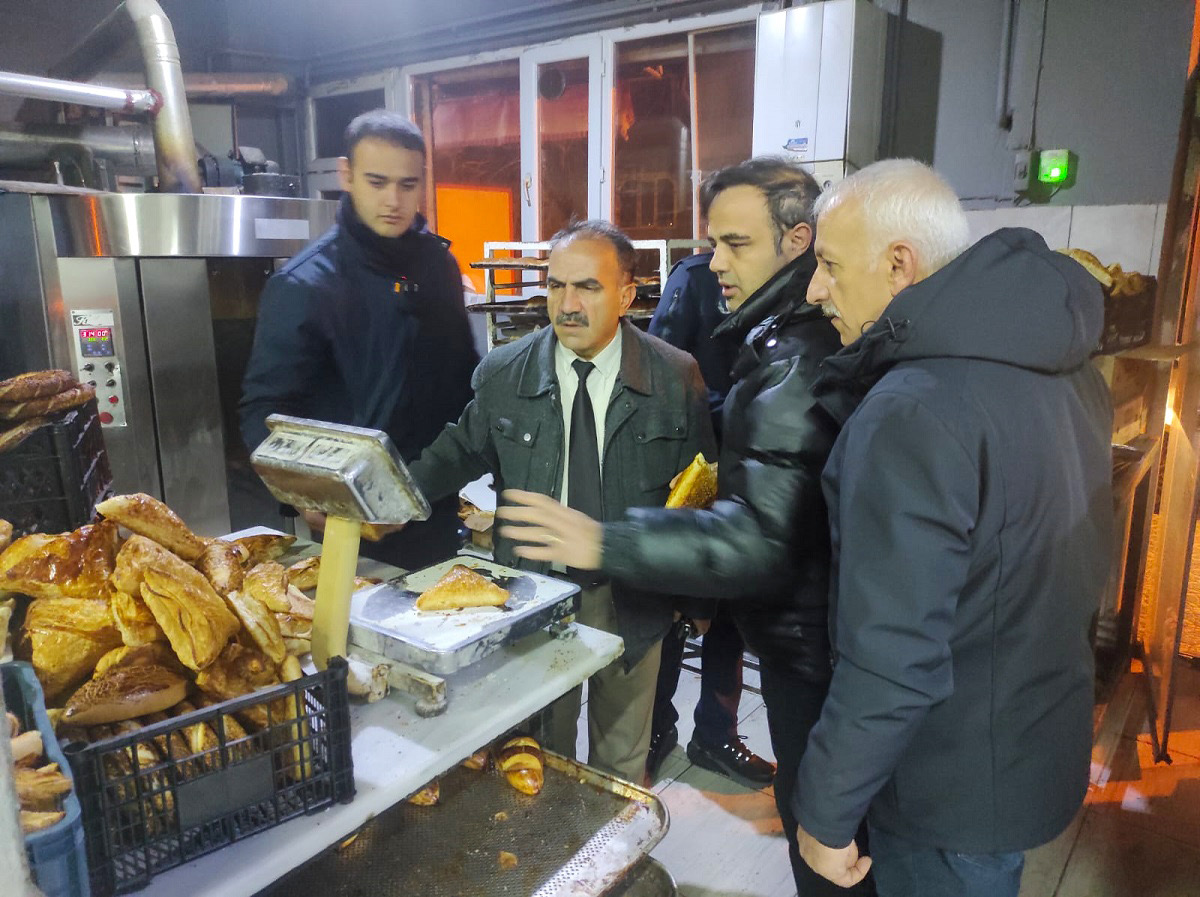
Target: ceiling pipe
[117, 99]
[208, 85]
[173, 142]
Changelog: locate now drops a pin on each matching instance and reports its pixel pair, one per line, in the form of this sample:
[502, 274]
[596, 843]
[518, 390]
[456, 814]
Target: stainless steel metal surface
[118, 98]
[157, 264]
[146, 224]
[580, 836]
[111, 285]
[385, 621]
[213, 84]
[27, 260]
[130, 149]
[174, 144]
[349, 472]
[179, 334]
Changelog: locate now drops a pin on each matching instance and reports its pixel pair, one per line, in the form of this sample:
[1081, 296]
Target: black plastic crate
[52, 481]
[1128, 321]
[144, 818]
[56, 853]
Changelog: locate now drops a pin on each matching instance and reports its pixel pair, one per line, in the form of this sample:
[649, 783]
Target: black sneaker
[732, 759]
[661, 744]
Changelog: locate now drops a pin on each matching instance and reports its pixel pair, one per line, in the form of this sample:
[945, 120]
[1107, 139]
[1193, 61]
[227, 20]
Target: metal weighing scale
[355, 475]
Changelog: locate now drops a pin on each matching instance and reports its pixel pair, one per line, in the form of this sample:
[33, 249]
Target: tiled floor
[1138, 834]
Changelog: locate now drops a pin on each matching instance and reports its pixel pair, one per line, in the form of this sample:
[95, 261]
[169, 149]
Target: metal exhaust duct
[173, 142]
[128, 148]
[212, 84]
[118, 99]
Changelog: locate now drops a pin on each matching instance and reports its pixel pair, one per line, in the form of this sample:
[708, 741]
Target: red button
[112, 400]
[105, 417]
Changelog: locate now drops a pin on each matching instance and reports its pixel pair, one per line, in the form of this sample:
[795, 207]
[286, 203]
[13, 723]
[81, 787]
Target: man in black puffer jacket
[764, 544]
[367, 326]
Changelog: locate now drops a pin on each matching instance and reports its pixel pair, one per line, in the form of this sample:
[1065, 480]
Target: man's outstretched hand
[550, 531]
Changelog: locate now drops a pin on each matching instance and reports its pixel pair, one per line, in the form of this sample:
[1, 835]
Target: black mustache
[572, 317]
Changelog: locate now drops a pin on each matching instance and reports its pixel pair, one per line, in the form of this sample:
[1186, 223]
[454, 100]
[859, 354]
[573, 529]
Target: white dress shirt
[600, 384]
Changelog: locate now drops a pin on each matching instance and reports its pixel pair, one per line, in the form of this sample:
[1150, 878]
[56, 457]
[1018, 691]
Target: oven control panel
[94, 342]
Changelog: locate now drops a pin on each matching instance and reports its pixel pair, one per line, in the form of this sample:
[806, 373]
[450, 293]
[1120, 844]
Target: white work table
[396, 752]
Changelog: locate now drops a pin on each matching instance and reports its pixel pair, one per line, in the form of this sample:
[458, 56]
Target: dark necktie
[583, 471]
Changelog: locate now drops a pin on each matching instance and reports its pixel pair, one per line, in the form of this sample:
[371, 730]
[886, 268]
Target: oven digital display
[95, 342]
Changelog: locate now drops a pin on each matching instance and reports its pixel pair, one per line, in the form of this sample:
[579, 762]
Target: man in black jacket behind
[367, 325]
[691, 308]
[970, 505]
[764, 545]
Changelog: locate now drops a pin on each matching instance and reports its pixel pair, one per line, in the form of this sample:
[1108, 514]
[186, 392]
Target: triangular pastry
[462, 587]
[696, 486]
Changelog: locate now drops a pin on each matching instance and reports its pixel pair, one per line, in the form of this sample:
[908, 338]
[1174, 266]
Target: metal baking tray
[580, 837]
[384, 619]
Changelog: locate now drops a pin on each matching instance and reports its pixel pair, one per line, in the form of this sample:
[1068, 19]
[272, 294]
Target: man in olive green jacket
[651, 412]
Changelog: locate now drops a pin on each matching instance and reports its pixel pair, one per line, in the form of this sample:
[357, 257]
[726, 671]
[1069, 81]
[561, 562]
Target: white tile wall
[1130, 235]
[1052, 222]
[1121, 234]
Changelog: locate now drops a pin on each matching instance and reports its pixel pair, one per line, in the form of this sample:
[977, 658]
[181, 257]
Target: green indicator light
[1054, 166]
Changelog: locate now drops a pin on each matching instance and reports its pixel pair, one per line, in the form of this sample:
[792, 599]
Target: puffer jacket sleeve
[908, 499]
[770, 513]
[464, 450]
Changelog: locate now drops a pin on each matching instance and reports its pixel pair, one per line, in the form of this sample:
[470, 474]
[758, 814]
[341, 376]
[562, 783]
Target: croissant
[520, 759]
[122, 693]
[221, 562]
[147, 516]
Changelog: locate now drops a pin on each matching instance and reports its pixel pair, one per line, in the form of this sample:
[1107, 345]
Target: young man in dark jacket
[595, 412]
[367, 325]
[691, 308]
[764, 545]
[971, 507]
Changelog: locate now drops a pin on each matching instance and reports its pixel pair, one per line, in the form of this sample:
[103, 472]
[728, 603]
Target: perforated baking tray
[580, 836]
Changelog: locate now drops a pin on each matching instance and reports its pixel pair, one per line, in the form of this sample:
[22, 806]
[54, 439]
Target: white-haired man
[970, 513]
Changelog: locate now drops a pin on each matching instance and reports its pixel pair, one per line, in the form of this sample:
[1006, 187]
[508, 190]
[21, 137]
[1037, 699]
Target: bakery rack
[530, 258]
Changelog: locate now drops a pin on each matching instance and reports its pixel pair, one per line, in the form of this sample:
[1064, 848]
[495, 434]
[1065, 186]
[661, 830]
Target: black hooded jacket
[765, 542]
[970, 512]
[364, 330]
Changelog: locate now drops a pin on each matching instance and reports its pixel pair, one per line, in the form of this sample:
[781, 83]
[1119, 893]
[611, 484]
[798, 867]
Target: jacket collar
[537, 375]
[391, 255]
[786, 290]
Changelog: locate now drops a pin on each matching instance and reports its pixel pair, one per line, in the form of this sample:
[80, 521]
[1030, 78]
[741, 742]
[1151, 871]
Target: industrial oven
[153, 298]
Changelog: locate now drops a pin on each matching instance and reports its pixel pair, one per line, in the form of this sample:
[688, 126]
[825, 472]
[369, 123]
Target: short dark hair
[790, 191]
[384, 124]
[595, 229]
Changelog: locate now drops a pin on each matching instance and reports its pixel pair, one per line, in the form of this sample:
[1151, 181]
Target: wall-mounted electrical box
[818, 85]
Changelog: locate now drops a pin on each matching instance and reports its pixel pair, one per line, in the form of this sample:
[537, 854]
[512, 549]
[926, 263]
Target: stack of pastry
[125, 630]
[40, 785]
[28, 400]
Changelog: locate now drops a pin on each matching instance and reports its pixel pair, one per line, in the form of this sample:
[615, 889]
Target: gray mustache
[572, 317]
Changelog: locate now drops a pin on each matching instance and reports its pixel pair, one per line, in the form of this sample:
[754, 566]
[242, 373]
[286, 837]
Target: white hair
[903, 199]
